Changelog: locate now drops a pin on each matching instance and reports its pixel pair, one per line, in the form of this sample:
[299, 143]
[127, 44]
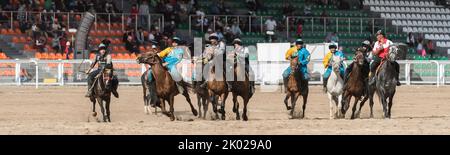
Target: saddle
[379, 67]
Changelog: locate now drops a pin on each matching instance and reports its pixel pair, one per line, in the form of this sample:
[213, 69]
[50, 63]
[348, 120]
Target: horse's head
[294, 64]
[336, 63]
[392, 55]
[359, 56]
[150, 57]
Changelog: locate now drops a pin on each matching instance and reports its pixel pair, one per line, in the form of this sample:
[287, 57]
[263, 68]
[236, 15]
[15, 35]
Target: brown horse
[217, 87]
[356, 85]
[166, 88]
[295, 87]
[240, 88]
[102, 94]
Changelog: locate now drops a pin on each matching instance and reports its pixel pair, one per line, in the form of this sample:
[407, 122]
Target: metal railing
[71, 72]
[72, 19]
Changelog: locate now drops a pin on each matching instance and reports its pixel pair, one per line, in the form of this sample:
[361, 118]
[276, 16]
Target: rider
[214, 49]
[303, 55]
[242, 57]
[171, 56]
[103, 58]
[379, 52]
[326, 63]
[365, 48]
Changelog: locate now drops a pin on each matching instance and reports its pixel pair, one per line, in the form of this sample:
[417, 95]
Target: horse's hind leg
[390, 106]
[222, 105]
[244, 113]
[371, 103]
[205, 107]
[305, 101]
[163, 107]
[236, 107]
[188, 99]
[172, 114]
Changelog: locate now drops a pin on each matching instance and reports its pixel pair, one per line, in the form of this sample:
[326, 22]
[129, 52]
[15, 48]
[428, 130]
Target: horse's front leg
[188, 99]
[172, 114]
[354, 107]
[236, 106]
[222, 105]
[288, 94]
[102, 108]
[332, 112]
[94, 113]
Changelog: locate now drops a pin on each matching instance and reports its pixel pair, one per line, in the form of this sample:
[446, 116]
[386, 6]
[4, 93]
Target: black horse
[102, 94]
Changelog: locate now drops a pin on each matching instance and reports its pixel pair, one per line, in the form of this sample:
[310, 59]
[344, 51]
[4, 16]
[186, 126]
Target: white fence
[71, 72]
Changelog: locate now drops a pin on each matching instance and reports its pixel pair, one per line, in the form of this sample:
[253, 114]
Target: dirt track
[64, 110]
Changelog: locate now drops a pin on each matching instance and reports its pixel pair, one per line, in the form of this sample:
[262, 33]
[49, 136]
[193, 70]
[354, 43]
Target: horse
[217, 88]
[102, 88]
[239, 87]
[150, 98]
[295, 87]
[166, 88]
[356, 85]
[386, 82]
[335, 85]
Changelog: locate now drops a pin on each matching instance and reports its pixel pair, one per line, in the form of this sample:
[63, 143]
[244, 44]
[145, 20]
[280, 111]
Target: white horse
[335, 87]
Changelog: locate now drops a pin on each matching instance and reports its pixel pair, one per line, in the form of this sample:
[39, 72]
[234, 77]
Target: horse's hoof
[194, 112]
[245, 118]
[238, 118]
[94, 114]
[289, 108]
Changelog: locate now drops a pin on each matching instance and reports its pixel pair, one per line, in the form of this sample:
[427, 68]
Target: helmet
[332, 46]
[213, 36]
[366, 43]
[299, 42]
[237, 41]
[176, 40]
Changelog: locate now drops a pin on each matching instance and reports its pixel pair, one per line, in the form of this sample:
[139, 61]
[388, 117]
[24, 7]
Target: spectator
[430, 48]
[214, 8]
[229, 37]
[62, 43]
[251, 5]
[68, 50]
[334, 38]
[143, 14]
[140, 36]
[324, 16]
[199, 12]
[307, 10]
[201, 21]
[151, 36]
[410, 40]
[55, 43]
[222, 8]
[420, 49]
[236, 30]
[128, 32]
[271, 25]
[131, 45]
[220, 34]
[299, 31]
[40, 44]
[170, 29]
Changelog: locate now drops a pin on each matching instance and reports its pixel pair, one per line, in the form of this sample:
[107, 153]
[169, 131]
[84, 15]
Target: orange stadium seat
[37, 55]
[119, 56]
[27, 47]
[59, 56]
[93, 33]
[17, 31]
[23, 39]
[114, 56]
[15, 39]
[133, 56]
[11, 31]
[91, 56]
[141, 48]
[126, 56]
[4, 31]
[115, 49]
[71, 56]
[122, 49]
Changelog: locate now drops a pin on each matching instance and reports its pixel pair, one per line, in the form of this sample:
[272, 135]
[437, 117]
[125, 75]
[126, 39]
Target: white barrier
[70, 72]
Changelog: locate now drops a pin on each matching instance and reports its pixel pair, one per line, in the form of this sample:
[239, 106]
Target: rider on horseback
[326, 63]
[380, 51]
[103, 58]
[365, 48]
[214, 49]
[171, 56]
[303, 55]
[242, 57]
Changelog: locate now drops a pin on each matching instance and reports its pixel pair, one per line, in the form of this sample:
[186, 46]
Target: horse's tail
[189, 87]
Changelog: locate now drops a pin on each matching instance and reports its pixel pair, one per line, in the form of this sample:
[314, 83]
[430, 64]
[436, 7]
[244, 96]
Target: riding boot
[325, 81]
[371, 78]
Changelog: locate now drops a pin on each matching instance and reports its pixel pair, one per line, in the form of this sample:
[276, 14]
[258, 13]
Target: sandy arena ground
[64, 110]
